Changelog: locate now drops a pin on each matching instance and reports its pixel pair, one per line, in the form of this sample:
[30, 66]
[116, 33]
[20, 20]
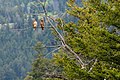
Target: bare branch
[52, 51]
[88, 62]
[20, 28]
[93, 65]
[63, 15]
[52, 18]
[79, 59]
[50, 46]
[60, 36]
[62, 39]
[35, 14]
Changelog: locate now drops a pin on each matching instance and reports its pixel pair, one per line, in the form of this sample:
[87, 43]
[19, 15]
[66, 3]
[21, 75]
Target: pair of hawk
[35, 24]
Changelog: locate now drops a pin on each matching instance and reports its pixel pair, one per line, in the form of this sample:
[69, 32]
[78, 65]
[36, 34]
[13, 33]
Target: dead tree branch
[62, 39]
[52, 51]
[93, 65]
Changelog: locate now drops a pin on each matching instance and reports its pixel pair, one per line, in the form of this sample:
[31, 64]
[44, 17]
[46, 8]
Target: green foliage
[71, 70]
[108, 11]
[89, 37]
[42, 68]
[28, 77]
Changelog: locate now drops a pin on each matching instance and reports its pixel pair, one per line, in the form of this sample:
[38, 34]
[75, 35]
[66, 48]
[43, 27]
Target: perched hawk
[42, 24]
[34, 24]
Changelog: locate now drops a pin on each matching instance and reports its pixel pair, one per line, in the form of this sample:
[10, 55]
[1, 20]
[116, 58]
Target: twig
[93, 65]
[63, 15]
[50, 46]
[79, 59]
[20, 28]
[88, 62]
[52, 51]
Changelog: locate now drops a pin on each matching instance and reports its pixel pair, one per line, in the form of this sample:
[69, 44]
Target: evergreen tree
[88, 36]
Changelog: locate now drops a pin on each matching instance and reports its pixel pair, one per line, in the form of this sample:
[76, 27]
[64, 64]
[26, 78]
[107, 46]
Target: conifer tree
[88, 37]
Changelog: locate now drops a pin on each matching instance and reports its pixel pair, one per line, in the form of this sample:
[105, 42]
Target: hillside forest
[59, 39]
